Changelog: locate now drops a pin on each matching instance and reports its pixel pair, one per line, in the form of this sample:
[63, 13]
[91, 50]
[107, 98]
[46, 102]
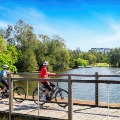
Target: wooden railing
[96, 79]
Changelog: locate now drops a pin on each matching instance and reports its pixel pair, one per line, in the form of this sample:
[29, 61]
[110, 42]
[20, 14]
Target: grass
[101, 64]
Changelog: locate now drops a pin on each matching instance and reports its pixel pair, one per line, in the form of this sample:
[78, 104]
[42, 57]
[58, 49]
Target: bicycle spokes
[61, 97]
[18, 92]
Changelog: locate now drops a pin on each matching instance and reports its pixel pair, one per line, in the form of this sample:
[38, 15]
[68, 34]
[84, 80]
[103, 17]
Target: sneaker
[44, 98]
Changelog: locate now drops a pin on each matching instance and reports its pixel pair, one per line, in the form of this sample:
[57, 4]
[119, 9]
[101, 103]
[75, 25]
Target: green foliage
[29, 63]
[62, 59]
[3, 45]
[80, 62]
[14, 53]
[114, 57]
[7, 55]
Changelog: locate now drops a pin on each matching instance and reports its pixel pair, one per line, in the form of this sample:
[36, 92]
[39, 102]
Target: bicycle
[19, 94]
[59, 95]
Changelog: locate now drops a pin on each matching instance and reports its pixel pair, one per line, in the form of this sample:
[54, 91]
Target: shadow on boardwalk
[53, 111]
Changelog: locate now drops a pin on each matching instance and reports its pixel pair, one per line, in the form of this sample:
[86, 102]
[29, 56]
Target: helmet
[45, 63]
[5, 66]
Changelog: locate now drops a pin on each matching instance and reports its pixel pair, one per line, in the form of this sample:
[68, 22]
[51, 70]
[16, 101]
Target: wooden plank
[53, 111]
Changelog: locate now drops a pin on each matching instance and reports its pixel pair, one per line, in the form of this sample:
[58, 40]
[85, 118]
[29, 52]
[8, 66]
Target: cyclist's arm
[49, 73]
[4, 75]
[9, 72]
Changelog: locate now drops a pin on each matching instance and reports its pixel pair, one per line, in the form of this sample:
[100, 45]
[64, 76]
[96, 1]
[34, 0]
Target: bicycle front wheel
[35, 96]
[61, 98]
[19, 94]
[1, 96]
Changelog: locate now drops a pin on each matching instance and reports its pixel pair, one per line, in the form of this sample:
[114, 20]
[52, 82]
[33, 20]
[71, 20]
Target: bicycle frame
[57, 93]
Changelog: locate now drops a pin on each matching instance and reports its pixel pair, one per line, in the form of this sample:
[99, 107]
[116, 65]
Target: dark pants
[49, 87]
[5, 83]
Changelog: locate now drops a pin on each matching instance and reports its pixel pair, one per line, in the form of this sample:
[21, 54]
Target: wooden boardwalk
[52, 110]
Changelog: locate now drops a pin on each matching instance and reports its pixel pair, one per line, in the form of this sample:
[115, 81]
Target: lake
[83, 91]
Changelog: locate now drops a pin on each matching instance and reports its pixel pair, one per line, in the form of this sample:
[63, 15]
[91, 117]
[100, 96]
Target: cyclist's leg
[53, 85]
[48, 88]
[45, 94]
[6, 87]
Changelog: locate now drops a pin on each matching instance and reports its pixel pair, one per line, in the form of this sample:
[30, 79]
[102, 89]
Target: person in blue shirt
[3, 75]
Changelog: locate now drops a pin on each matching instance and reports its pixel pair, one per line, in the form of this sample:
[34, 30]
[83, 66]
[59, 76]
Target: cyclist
[45, 74]
[3, 75]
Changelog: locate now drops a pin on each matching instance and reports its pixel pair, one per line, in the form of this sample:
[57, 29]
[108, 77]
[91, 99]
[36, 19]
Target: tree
[80, 62]
[8, 55]
[114, 57]
[23, 37]
[29, 63]
[3, 45]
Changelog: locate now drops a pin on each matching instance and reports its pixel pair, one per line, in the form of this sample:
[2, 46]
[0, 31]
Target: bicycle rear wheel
[19, 94]
[61, 98]
[35, 96]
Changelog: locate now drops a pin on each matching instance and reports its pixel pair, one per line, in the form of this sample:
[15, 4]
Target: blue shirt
[3, 73]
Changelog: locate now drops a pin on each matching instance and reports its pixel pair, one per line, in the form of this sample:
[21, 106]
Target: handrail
[81, 74]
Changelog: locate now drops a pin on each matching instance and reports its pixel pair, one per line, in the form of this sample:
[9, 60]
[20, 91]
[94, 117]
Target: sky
[81, 23]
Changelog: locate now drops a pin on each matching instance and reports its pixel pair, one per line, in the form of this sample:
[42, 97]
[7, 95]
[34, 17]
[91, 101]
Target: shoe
[44, 98]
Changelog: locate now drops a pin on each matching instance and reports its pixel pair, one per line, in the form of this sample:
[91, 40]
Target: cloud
[35, 18]
[3, 24]
[115, 35]
[74, 33]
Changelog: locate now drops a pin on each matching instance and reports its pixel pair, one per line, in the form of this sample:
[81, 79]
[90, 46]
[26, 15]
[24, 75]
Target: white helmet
[45, 63]
[5, 66]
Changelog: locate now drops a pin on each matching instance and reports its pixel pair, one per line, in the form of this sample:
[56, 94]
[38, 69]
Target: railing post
[27, 85]
[70, 102]
[108, 95]
[96, 89]
[10, 97]
[38, 97]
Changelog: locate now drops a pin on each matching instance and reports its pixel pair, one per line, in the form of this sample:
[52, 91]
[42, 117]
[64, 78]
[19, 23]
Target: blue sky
[81, 23]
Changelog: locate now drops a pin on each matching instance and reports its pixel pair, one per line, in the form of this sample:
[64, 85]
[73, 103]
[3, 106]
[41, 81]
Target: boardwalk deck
[52, 110]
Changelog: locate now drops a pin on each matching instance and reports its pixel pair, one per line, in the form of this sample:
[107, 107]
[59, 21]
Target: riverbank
[101, 65]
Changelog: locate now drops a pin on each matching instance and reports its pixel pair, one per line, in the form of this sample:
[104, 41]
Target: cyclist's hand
[8, 72]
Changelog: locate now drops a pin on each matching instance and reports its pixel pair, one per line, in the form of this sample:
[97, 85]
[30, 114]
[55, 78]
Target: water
[83, 91]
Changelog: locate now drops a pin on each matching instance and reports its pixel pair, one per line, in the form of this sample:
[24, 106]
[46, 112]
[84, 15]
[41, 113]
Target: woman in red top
[44, 74]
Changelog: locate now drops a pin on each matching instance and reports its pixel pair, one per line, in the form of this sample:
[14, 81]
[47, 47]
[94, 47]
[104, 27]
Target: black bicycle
[19, 94]
[60, 96]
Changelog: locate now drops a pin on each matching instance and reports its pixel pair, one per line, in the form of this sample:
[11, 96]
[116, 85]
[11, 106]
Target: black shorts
[49, 87]
[5, 83]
